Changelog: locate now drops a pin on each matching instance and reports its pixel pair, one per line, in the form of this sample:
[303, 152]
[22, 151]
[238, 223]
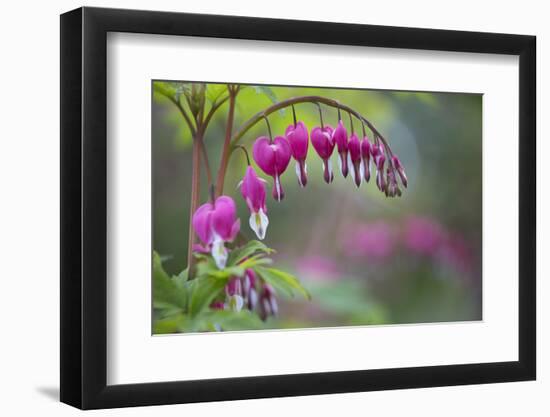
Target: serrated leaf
[203, 291]
[166, 293]
[281, 280]
[164, 88]
[215, 91]
[251, 248]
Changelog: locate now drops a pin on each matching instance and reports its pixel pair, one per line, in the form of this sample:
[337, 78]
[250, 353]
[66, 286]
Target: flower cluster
[354, 157]
[273, 157]
[248, 292]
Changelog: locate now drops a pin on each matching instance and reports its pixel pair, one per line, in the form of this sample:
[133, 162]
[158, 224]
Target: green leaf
[172, 324]
[207, 268]
[165, 89]
[228, 320]
[203, 291]
[181, 278]
[166, 293]
[269, 93]
[283, 281]
[215, 91]
[252, 247]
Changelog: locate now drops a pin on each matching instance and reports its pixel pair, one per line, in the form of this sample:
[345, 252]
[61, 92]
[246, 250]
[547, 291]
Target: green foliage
[269, 93]
[282, 281]
[214, 92]
[182, 305]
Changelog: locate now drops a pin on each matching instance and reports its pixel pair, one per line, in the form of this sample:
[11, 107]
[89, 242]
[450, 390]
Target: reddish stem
[195, 200]
[227, 142]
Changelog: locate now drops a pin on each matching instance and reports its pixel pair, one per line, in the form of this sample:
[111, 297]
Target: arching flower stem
[246, 126]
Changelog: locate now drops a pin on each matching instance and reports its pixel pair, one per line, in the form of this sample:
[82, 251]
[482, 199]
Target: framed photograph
[258, 208]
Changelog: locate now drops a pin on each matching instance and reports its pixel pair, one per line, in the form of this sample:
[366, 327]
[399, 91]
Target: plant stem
[195, 200]
[227, 142]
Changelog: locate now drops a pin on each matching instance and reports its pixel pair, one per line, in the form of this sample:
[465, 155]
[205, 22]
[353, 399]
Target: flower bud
[400, 170]
[365, 154]
[354, 159]
[268, 302]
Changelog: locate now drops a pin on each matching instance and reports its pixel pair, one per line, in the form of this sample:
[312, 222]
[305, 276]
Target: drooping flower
[400, 170]
[253, 192]
[340, 138]
[273, 158]
[365, 154]
[249, 289]
[377, 152]
[392, 189]
[354, 159]
[298, 137]
[268, 302]
[217, 223]
[321, 139]
[234, 292]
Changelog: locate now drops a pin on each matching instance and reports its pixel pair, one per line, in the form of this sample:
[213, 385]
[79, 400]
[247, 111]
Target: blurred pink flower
[423, 235]
[318, 266]
[373, 240]
[457, 254]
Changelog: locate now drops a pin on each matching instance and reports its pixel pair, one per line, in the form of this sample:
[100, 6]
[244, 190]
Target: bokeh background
[365, 258]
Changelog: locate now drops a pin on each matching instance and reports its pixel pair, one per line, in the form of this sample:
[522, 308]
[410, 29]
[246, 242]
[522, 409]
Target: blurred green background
[365, 258]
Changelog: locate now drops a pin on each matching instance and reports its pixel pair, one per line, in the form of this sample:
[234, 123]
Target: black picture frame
[84, 207]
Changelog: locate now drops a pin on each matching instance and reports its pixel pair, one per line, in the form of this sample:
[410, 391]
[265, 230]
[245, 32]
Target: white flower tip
[236, 303]
[259, 222]
[219, 253]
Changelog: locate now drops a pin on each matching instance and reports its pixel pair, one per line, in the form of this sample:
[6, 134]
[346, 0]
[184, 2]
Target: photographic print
[291, 207]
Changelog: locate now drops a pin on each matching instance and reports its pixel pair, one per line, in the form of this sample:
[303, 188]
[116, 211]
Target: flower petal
[236, 303]
[219, 252]
[259, 222]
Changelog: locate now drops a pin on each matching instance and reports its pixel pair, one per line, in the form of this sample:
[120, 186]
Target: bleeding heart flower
[268, 302]
[249, 289]
[365, 154]
[340, 138]
[392, 188]
[400, 170]
[321, 139]
[216, 224]
[377, 152]
[273, 158]
[298, 137]
[354, 159]
[253, 191]
[234, 292]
